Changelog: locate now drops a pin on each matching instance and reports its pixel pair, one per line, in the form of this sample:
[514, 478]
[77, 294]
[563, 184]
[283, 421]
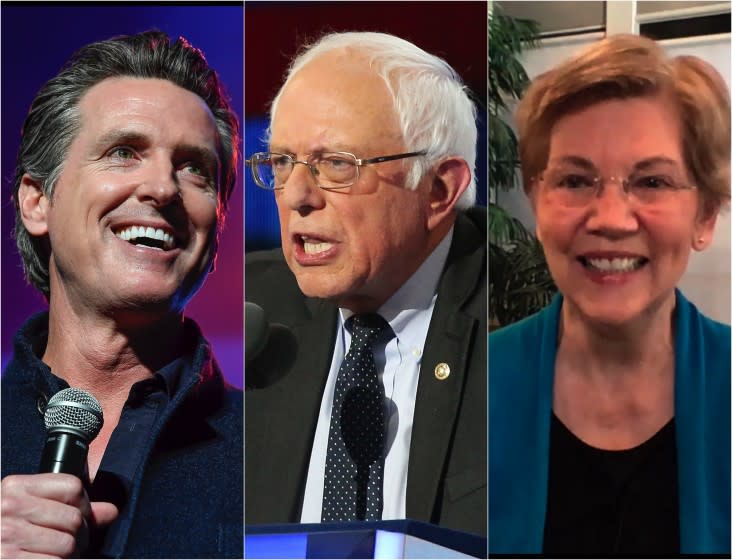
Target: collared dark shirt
[146, 402]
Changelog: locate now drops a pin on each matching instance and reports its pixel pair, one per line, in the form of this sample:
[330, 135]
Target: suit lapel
[298, 394]
[449, 341]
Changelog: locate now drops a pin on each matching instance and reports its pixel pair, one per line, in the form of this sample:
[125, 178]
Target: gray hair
[54, 119]
[432, 103]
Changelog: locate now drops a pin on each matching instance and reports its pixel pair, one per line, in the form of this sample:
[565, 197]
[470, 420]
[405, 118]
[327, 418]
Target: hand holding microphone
[49, 513]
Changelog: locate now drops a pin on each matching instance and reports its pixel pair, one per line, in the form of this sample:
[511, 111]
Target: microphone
[256, 329]
[73, 419]
[270, 349]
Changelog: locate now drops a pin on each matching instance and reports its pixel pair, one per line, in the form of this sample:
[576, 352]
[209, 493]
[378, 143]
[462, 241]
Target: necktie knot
[367, 328]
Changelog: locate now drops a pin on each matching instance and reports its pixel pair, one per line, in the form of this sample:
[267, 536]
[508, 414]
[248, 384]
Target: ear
[33, 205]
[450, 180]
[704, 228]
[532, 195]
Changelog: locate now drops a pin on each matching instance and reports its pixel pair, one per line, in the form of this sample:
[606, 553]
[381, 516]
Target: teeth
[615, 265]
[315, 247]
[133, 232]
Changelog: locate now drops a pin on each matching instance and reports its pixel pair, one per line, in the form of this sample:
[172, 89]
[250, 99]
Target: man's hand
[48, 516]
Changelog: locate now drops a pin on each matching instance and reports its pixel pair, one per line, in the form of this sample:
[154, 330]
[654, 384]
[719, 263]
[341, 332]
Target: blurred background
[35, 42]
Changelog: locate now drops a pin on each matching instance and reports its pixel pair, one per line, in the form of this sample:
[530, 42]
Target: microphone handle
[64, 452]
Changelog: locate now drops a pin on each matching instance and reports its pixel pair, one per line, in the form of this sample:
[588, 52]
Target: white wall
[707, 280]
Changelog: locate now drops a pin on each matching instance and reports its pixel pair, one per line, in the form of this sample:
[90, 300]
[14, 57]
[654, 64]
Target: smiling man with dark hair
[127, 160]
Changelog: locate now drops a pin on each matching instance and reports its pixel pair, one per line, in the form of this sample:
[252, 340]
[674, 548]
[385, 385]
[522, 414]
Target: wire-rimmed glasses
[649, 186]
[331, 170]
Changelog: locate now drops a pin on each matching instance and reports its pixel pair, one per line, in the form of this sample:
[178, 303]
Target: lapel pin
[442, 371]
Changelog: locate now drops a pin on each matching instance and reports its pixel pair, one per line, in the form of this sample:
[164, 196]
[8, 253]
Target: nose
[611, 212]
[301, 191]
[159, 185]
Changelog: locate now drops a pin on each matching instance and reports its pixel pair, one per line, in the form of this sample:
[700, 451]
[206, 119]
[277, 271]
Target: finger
[42, 512]
[10, 552]
[103, 513]
[20, 537]
[60, 487]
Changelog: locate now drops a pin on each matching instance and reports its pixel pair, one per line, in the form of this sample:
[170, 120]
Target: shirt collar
[415, 294]
[32, 338]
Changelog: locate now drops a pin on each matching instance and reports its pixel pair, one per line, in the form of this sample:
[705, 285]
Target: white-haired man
[379, 410]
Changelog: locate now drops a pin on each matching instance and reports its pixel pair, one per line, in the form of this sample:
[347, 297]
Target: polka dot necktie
[354, 465]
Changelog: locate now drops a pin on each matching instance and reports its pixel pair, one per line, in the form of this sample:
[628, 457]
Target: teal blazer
[521, 361]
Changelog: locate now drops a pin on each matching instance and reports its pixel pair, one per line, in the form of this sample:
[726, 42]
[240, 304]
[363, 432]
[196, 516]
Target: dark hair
[54, 119]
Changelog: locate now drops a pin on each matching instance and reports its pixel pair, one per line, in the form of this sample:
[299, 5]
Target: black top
[612, 503]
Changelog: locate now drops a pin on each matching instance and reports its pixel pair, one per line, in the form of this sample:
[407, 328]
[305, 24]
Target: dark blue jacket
[187, 496]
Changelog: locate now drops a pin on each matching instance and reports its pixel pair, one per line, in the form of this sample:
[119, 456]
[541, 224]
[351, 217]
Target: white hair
[432, 103]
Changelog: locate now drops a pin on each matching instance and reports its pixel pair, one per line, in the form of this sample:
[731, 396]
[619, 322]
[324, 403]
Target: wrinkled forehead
[619, 128]
[336, 92]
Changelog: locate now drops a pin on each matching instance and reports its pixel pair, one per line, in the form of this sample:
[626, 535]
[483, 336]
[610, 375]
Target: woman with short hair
[609, 411]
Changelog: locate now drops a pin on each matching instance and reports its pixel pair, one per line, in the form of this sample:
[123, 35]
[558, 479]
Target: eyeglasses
[331, 170]
[649, 187]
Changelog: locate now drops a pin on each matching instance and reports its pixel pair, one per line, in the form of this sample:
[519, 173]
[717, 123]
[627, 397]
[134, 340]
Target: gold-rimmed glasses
[651, 184]
[331, 170]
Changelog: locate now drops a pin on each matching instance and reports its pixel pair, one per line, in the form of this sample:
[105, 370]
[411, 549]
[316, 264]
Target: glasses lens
[655, 187]
[336, 170]
[571, 187]
[270, 170]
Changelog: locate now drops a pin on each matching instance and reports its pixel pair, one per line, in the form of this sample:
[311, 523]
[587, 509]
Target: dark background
[35, 42]
[274, 31]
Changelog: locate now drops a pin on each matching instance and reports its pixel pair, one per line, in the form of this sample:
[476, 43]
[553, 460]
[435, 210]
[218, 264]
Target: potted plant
[519, 282]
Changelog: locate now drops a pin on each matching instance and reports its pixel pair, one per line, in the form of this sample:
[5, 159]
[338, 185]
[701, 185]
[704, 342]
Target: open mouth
[616, 265]
[145, 236]
[312, 245]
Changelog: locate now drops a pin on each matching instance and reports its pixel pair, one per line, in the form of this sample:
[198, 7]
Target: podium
[370, 539]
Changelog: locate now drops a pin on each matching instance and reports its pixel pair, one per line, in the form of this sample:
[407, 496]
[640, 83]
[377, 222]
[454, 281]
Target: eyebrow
[209, 158]
[283, 149]
[136, 138]
[656, 160]
[120, 136]
[578, 161]
[637, 166]
[279, 149]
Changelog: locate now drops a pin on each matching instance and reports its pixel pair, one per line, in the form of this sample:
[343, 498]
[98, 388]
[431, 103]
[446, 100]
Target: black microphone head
[256, 329]
[76, 411]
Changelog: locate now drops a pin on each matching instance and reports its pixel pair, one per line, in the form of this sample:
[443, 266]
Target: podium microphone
[270, 349]
[256, 330]
[73, 419]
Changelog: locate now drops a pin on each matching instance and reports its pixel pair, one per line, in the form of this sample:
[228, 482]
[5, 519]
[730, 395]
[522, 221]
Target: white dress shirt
[408, 312]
